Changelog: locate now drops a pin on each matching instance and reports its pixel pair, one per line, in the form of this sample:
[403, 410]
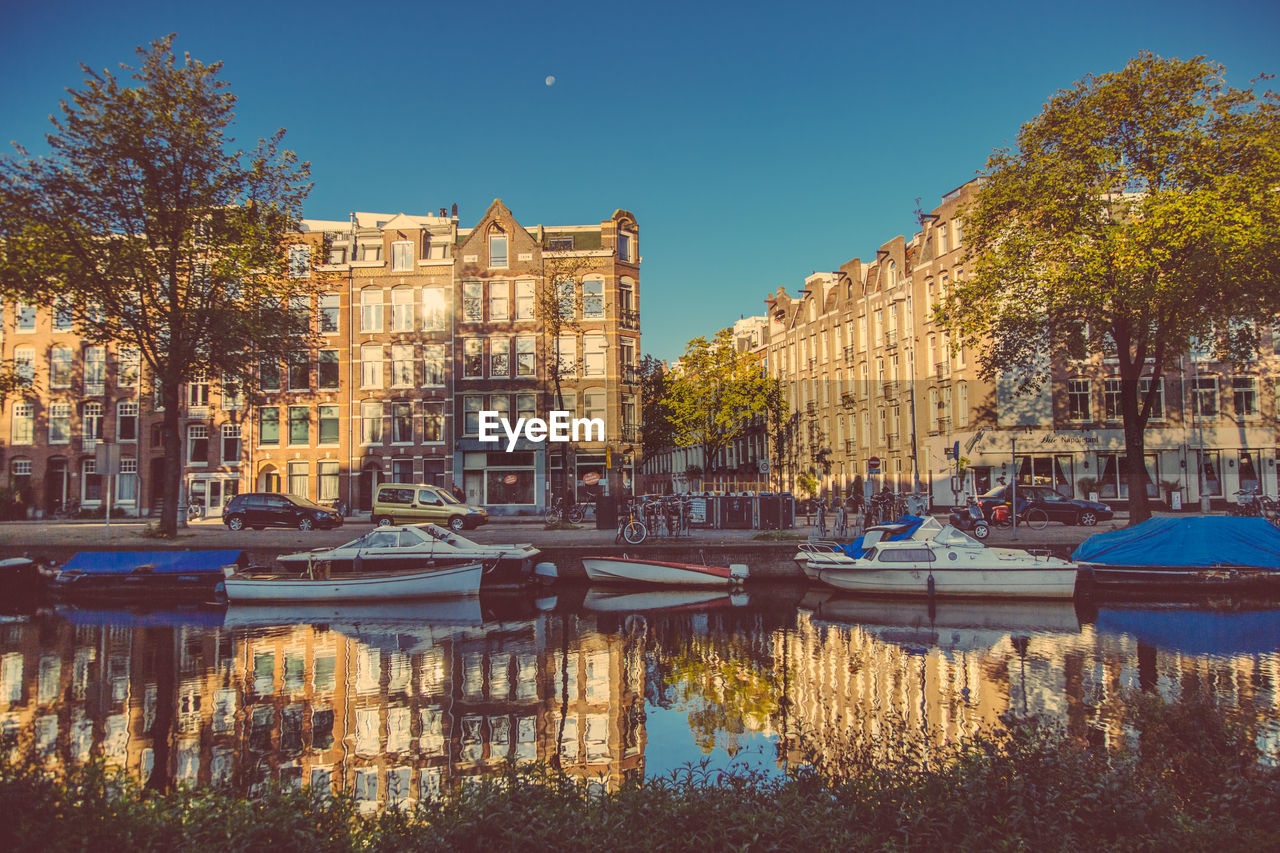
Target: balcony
[891, 338]
[944, 425]
[847, 400]
[94, 389]
[89, 444]
[850, 447]
[849, 355]
[629, 319]
[630, 433]
[811, 407]
[942, 369]
[891, 441]
[813, 363]
[198, 413]
[890, 390]
[630, 374]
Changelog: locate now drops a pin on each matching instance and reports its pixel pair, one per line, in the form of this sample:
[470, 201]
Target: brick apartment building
[421, 324]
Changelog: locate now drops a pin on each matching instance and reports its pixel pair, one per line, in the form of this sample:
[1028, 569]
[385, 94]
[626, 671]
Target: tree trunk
[1135, 445]
[172, 460]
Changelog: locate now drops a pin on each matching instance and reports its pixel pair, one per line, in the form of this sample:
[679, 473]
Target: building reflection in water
[395, 706]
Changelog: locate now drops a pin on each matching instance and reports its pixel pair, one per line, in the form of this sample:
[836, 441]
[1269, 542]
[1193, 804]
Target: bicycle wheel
[552, 516]
[1036, 519]
[576, 513]
[634, 532]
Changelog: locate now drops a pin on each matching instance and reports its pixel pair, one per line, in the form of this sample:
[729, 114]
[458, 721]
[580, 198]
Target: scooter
[969, 518]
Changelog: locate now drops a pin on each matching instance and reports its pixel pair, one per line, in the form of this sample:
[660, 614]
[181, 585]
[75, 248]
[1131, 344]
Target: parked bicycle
[1029, 516]
[557, 511]
[630, 528]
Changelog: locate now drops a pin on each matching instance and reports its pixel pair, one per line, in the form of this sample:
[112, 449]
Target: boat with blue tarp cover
[817, 554]
[144, 575]
[1201, 553]
[1195, 629]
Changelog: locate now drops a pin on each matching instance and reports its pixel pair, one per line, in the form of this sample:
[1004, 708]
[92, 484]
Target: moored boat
[628, 570]
[949, 563]
[152, 576]
[817, 554]
[1194, 555]
[452, 580]
[613, 600]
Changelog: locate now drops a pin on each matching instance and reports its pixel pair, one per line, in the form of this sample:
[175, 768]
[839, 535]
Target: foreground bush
[1191, 781]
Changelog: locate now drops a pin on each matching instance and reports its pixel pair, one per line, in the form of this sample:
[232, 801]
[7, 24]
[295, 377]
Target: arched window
[401, 309]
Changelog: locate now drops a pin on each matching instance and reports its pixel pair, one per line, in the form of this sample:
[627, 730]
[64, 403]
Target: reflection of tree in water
[720, 671]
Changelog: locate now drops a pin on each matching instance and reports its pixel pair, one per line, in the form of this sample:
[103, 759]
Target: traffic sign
[873, 464]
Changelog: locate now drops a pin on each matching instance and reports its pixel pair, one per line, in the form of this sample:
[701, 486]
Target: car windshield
[448, 498]
[997, 492]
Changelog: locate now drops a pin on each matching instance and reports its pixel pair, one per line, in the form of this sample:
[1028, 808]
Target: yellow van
[406, 503]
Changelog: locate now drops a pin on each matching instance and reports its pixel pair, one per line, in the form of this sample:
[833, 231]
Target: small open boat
[453, 580]
[628, 570]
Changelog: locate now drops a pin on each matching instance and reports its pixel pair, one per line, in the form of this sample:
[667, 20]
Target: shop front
[504, 483]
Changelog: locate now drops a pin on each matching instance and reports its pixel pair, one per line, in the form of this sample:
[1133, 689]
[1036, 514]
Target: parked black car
[267, 509]
[1056, 506]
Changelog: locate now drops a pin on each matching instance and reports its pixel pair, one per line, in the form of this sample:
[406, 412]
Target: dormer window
[402, 256]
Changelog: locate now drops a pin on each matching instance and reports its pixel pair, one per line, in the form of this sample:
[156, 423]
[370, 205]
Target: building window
[433, 309]
[433, 364]
[402, 423]
[129, 366]
[1244, 395]
[92, 424]
[525, 355]
[499, 357]
[1204, 396]
[63, 315]
[298, 476]
[626, 296]
[402, 309]
[499, 300]
[299, 371]
[402, 256]
[565, 298]
[328, 474]
[327, 373]
[371, 422]
[60, 423]
[371, 309]
[371, 366]
[24, 424]
[402, 471]
[1157, 405]
[269, 425]
[25, 317]
[567, 356]
[1078, 399]
[198, 444]
[127, 481]
[299, 425]
[330, 308]
[472, 302]
[497, 250]
[593, 363]
[1111, 399]
[126, 421]
[198, 392]
[232, 394]
[90, 482]
[24, 365]
[60, 367]
[594, 404]
[231, 444]
[300, 312]
[402, 365]
[526, 406]
[525, 309]
[473, 358]
[962, 404]
[433, 423]
[472, 405]
[624, 246]
[269, 375]
[95, 370]
[300, 261]
[328, 424]
[593, 299]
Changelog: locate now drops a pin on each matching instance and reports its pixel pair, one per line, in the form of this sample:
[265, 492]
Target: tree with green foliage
[1138, 213]
[715, 394]
[158, 234]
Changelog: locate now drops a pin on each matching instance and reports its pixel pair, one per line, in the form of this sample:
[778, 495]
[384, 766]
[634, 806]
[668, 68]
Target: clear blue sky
[755, 142]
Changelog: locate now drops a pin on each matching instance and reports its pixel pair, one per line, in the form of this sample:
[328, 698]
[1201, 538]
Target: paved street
[212, 534]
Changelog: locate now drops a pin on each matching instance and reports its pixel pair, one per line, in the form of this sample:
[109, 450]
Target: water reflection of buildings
[389, 713]
[854, 668]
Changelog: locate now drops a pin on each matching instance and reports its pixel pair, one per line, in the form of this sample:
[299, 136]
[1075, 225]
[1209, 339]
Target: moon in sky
[551, 80]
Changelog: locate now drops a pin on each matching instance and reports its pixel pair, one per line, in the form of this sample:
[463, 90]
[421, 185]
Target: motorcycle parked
[969, 518]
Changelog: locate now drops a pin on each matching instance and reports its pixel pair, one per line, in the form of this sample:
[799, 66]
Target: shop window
[1248, 471]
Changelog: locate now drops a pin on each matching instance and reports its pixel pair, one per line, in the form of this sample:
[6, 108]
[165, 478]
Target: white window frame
[371, 368]
[499, 260]
[371, 302]
[402, 309]
[329, 307]
[402, 362]
[402, 256]
[197, 432]
[23, 428]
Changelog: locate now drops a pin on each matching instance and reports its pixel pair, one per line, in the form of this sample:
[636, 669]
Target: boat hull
[366, 586]
[1039, 582]
[625, 570]
[1164, 580]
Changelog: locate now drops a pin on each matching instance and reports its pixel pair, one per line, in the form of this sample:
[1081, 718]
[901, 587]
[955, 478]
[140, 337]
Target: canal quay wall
[56, 542]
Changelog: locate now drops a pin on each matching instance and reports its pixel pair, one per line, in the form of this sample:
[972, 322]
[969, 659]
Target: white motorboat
[817, 554]
[451, 580]
[627, 570]
[699, 600]
[422, 546]
[950, 563]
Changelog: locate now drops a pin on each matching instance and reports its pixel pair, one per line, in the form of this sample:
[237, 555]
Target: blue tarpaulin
[1200, 541]
[912, 523]
[124, 562]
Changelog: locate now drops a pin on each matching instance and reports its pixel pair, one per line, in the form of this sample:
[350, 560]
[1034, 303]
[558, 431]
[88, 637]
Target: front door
[473, 486]
[55, 486]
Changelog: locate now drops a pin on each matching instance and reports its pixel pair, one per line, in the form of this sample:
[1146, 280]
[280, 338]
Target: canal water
[392, 703]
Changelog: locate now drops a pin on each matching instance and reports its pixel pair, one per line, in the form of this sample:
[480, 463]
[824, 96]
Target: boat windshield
[953, 538]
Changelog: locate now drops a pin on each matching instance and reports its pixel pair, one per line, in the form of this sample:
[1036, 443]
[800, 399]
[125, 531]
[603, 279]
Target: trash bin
[770, 511]
[606, 512]
[735, 512]
[786, 511]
